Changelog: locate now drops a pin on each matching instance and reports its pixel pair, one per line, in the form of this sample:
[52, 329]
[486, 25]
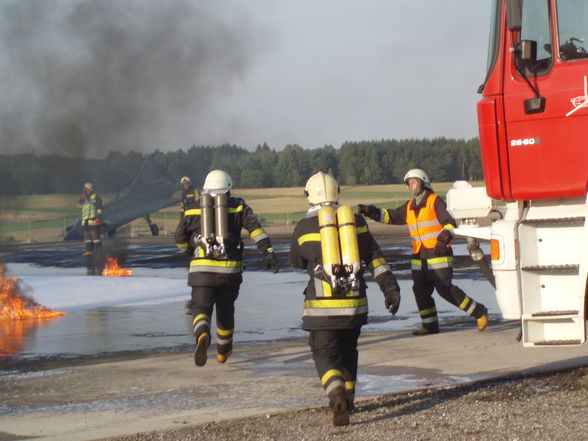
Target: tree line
[354, 163]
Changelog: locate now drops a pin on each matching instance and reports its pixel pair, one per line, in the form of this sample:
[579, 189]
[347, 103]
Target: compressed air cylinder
[329, 241]
[206, 218]
[348, 240]
[221, 218]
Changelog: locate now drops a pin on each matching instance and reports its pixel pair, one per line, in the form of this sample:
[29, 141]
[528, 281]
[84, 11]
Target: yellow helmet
[89, 186]
[217, 181]
[321, 188]
[186, 180]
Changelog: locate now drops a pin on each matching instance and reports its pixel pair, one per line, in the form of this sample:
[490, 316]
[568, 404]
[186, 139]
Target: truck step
[554, 269]
[579, 220]
[551, 316]
[555, 313]
[558, 343]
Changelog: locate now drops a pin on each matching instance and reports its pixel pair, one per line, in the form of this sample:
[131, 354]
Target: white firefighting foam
[146, 312]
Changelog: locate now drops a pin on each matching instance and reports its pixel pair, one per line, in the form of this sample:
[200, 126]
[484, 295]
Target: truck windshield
[572, 21]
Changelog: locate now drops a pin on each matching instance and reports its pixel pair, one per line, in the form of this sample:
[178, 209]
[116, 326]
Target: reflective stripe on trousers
[433, 263]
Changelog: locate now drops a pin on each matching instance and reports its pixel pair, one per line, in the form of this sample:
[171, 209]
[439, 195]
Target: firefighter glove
[392, 299]
[440, 249]
[370, 211]
[443, 239]
[272, 262]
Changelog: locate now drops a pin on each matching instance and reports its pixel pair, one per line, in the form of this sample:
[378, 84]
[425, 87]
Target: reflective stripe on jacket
[335, 307]
[215, 266]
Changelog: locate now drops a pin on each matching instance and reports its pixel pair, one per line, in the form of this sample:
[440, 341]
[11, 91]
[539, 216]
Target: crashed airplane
[139, 201]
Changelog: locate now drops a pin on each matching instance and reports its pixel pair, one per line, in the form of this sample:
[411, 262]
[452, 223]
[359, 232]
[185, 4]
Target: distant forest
[354, 163]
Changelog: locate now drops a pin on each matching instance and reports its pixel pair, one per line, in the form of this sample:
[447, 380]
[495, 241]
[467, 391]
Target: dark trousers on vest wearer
[204, 300]
[335, 357]
[426, 280]
[92, 238]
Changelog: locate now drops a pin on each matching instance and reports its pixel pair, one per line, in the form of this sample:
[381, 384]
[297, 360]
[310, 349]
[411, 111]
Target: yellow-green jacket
[91, 206]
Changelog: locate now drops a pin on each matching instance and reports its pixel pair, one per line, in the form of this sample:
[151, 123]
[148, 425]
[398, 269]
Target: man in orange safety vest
[431, 231]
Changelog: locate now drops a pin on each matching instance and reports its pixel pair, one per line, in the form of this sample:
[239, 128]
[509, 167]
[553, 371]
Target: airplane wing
[139, 201]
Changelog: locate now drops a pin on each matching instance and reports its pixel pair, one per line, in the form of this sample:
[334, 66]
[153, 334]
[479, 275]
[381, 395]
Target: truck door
[546, 101]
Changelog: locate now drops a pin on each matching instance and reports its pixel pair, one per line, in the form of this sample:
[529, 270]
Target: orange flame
[112, 268]
[14, 305]
[19, 315]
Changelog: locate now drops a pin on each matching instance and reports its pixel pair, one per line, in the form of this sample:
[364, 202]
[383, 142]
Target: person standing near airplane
[91, 218]
[189, 193]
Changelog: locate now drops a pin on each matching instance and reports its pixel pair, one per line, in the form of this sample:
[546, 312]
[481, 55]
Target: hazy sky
[89, 76]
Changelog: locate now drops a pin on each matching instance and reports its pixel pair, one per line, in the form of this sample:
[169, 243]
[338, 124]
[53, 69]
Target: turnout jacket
[91, 206]
[225, 270]
[425, 220]
[326, 308]
[189, 196]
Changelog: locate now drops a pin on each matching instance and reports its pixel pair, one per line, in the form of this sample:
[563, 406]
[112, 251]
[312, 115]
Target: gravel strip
[545, 407]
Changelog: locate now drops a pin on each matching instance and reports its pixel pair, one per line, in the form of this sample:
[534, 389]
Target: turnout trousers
[204, 300]
[92, 238]
[426, 280]
[335, 356]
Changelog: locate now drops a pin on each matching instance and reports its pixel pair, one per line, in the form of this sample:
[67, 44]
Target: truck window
[535, 27]
[494, 40]
[572, 21]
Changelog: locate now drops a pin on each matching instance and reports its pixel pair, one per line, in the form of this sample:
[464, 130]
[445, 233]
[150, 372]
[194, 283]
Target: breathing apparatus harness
[339, 248]
[214, 224]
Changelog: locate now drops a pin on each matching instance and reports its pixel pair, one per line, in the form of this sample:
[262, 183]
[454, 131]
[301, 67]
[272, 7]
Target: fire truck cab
[533, 127]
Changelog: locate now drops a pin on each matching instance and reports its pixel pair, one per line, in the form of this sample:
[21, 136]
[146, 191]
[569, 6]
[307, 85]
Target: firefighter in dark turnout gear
[334, 315]
[215, 271]
[91, 218]
[189, 193]
[430, 227]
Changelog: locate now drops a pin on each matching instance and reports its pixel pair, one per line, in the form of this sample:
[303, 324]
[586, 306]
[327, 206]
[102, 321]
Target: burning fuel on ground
[112, 268]
[19, 314]
[15, 305]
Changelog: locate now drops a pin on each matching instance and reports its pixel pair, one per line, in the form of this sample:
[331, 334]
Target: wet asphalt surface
[162, 253]
[150, 253]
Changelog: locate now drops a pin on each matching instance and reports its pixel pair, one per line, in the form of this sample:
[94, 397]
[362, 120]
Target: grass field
[43, 218]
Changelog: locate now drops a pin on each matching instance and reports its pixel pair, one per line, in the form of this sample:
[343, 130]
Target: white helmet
[321, 188]
[89, 186]
[186, 180]
[419, 174]
[218, 181]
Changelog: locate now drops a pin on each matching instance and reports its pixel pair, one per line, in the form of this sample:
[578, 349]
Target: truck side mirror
[535, 105]
[514, 14]
[528, 51]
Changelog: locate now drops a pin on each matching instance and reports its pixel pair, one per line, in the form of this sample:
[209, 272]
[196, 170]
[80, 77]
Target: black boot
[339, 404]
[200, 354]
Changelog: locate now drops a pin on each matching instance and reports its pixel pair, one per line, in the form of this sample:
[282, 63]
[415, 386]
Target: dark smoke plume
[83, 77]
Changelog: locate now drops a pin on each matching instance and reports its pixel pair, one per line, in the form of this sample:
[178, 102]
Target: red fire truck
[533, 126]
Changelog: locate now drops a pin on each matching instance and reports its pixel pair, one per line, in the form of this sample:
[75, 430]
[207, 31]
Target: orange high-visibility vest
[425, 227]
